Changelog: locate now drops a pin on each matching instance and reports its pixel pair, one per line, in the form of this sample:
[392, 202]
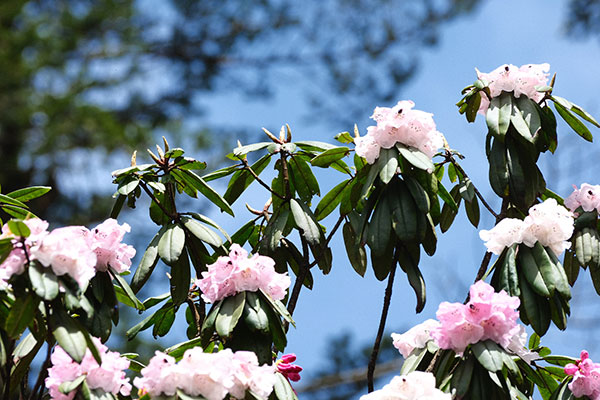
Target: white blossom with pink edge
[548, 223]
[237, 273]
[399, 124]
[415, 338]
[211, 375]
[416, 385]
[587, 197]
[487, 315]
[109, 376]
[15, 262]
[108, 246]
[518, 80]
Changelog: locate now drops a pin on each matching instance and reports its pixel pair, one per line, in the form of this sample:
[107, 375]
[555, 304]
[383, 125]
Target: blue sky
[510, 31]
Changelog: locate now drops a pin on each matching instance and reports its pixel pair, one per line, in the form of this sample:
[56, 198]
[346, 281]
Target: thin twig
[257, 178]
[386, 306]
[158, 203]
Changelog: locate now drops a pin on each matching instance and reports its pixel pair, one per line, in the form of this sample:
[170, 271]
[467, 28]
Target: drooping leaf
[241, 179]
[20, 315]
[331, 200]
[229, 314]
[171, 242]
[416, 157]
[306, 221]
[573, 122]
[203, 233]
[147, 263]
[43, 281]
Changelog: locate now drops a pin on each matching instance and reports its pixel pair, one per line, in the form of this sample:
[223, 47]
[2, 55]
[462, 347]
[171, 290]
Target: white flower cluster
[548, 223]
[416, 385]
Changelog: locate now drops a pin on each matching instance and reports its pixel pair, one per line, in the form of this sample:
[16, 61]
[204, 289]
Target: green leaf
[416, 157]
[498, 114]
[229, 314]
[328, 157]
[356, 253]
[273, 232]
[240, 181]
[128, 185]
[20, 315]
[126, 289]
[68, 335]
[489, 355]
[18, 228]
[401, 212]
[344, 137]
[449, 199]
[116, 209]
[282, 388]
[535, 308]
[180, 279]
[242, 150]
[473, 103]
[575, 108]
[254, 316]
[16, 212]
[43, 281]
[211, 194]
[163, 321]
[312, 145]
[147, 263]
[388, 159]
[171, 242]
[201, 232]
[528, 264]
[461, 379]
[69, 386]
[418, 193]
[448, 212]
[10, 201]
[29, 193]
[379, 231]
[304, 180]
[220, 173]
[410, 266]
[472, 209]
[278, 307]
[306, 221]
[573, 122]
[330, 201]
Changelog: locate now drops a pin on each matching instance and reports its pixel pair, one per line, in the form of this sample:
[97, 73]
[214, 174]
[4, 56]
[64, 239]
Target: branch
[158, 203]
[386, 306]
[248, 168]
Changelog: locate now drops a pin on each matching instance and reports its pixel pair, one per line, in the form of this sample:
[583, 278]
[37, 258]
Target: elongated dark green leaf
[229, 314]
[240, 181]
[20, 315]
[278, 307]
[116, 209]
[449, 198]
[356, 253]
[180, 279]
[16, 212]
[498, 173]
[313, 145]
[273, 232]
[306, 221]
[11, 201]
[576, 109]
[304, 180]
[403, 212]
[531, 270]
[328, 157]
[254, 316]
[220, 173]
[43, 281]
[29, 193]
[282, 388]
[410, 266]
[380, 227]
[473, 103]
[535, 308]
[170, 243]
[461, 379]
[331, 200]
[416, 157]
[127, 290]
[208, 192]
[147, 263]
[573, 122]
[128, 185]
[203, 233]
[472, 209]
[418, 193]
[163, 321]
[448, 212]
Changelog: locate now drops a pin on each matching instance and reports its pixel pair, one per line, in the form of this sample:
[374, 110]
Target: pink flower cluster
[587, 197]
[519, 80]
[399, 124]
[238, 273]
[211, 375]
[73, 250]
[487, 315]
[15, 262]
[586, 377]
[548, 223]
[108, 376]
[286, 367]
[416, 385]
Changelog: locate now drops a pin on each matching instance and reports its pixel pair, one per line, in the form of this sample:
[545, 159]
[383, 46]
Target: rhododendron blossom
[586, 377]
[109, 376]
[399, 124]
[416, 385]
[548, 223]
[587, 197]
[487, 315]
[415, 338]
[211, 375]
[518, 80]
[285, 365]
[15, 262]
[108, 247]
[237, 273]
